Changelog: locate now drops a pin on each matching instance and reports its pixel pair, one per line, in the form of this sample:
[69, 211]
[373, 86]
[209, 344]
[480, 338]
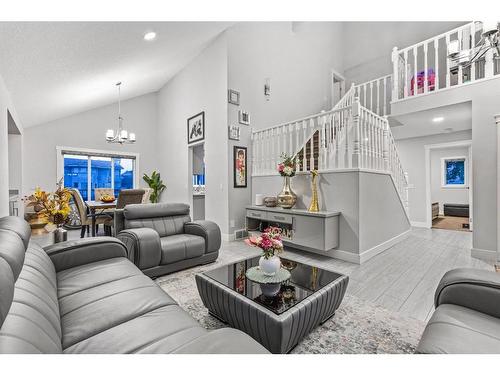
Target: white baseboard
[226, 237]
[370, 253]
[419, 224]
[345, 256]
[489, 255]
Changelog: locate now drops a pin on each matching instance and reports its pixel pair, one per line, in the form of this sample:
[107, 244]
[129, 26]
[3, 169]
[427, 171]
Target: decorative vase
[287, 198]
[60, 234]
[314, 206]
[270, 265]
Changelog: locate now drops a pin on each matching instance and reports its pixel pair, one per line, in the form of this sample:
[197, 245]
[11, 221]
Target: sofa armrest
[206, 229]
[143, 246]
[75, 253]
[223, 341]
[472, 288]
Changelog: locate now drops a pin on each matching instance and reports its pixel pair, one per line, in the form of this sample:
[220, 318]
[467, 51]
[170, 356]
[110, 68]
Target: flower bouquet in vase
[287, 169]
[271, 245]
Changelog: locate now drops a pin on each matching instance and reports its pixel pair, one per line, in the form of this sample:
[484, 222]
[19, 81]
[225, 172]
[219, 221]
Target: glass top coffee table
[280, 320]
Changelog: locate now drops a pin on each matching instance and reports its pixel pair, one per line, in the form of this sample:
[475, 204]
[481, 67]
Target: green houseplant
[155, 183]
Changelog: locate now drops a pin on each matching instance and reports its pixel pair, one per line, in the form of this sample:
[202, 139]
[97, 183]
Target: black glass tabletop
[304, 281]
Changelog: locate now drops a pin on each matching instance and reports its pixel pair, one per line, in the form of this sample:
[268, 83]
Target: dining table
[95, 206]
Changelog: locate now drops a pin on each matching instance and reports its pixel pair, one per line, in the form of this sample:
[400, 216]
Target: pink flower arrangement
[288, 165]
[270, 242]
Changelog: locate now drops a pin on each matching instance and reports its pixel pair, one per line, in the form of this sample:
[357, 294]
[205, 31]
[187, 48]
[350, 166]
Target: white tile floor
[403, 278]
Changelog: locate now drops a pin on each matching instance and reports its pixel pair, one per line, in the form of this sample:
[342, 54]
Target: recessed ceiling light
[150, 35]
[438, 119]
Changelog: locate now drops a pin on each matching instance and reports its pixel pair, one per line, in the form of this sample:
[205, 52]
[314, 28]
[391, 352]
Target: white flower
[288, 171]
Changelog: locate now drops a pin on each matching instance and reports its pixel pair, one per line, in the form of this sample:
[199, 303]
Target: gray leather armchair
[85, 296]
[467, 316]
[161, 238]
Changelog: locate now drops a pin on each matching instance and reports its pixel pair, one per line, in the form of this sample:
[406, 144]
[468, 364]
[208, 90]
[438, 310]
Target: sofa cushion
[181, 246]
[159, 331]
[110, 300]
[33, 322]
[458, 330]
[166, 219]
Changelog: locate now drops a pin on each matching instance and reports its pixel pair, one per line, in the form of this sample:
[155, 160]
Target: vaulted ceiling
[55, 69]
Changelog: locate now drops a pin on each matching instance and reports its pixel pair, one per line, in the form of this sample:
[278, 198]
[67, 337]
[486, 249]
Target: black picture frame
[240, 181]
[200, 126]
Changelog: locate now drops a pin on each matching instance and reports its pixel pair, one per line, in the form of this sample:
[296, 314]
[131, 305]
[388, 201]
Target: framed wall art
[243, 117]
[196, 128]
[234, 132]
[240, 166]
[233, 97]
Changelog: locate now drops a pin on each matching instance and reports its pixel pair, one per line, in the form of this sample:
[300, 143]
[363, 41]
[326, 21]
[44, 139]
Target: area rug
[451, 223]
[358, 327]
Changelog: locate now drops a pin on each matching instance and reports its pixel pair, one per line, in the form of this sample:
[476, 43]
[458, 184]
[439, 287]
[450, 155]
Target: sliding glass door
[86, 172]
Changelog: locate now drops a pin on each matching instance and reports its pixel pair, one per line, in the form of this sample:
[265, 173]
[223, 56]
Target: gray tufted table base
[277, 325]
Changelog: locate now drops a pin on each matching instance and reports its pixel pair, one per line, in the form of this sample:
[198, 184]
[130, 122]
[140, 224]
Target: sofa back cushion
[165, 218]
[29, 308]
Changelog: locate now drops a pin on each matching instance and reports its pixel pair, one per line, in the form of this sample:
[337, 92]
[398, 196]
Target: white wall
[368, 45]
[442, 194]
[5, 104]
[200, 86]
[485, 98]
[87, 130]
[297, 58]
[412, 154]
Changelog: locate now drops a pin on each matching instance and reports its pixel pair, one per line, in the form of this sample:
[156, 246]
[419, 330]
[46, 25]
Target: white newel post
[395, 75]
[497, 121]
[385, 151]
[355, 121]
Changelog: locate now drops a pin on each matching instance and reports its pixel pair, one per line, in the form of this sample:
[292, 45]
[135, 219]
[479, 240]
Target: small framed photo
[243, 117]
[240, 166]
[234, 132]
[196, 128]
[233, 97]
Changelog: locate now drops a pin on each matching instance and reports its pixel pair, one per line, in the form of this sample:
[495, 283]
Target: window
[88, 170]
[454, 171]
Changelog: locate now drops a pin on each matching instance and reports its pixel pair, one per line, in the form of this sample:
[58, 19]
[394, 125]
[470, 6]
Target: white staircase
[349, 136]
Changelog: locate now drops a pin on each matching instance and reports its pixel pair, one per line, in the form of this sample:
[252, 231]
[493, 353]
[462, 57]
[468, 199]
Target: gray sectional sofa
[161, 238]
[86, 296]
[467, 316]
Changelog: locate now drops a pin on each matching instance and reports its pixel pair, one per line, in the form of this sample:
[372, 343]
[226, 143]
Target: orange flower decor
[54, 206]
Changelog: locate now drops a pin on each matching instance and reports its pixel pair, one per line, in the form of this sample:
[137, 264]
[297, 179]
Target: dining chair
[125, 197]
[85, 217]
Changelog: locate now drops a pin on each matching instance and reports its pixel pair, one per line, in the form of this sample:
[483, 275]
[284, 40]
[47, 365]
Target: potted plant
[271, 245]
[287, 169]
[54, 206]
[154, 182]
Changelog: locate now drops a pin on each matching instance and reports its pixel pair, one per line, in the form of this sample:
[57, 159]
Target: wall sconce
[267, 88]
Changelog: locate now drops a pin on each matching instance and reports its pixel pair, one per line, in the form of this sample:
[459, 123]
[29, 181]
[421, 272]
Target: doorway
[338, 87]
[449, 185]
[197, 183]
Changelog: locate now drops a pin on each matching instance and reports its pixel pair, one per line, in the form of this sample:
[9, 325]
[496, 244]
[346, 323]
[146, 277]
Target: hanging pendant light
[120, 136]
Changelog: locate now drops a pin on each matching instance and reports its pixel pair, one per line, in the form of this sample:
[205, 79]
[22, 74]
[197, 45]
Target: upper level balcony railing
[425, 67]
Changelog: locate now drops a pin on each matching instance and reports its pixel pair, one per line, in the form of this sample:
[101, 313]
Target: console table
[310, 231]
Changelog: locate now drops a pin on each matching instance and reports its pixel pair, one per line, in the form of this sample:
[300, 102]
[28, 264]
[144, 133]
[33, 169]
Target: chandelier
[490, 40]
[120, 136]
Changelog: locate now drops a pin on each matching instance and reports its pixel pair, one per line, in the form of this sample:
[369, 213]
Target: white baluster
[395, 74]
[311, 145]
[473, 43]
[436, 64]
[364, 95]
[415, 72]
[356, 145]
[297, 137]
[304, 130]
[279, 149]
[378, 96]
[273, 152]
[385, 96]
[425, 68]
[290, 133]
[406, 90]
[460, 69]
[447, 39]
